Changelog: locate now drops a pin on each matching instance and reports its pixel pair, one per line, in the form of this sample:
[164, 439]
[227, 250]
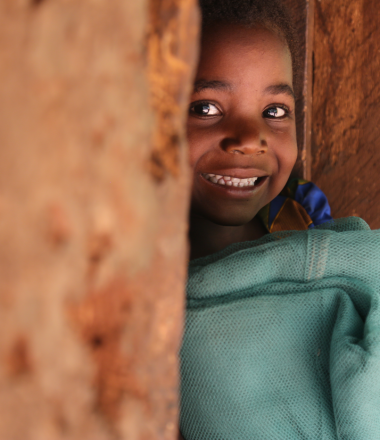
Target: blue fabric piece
[314, 202]
[275, 207]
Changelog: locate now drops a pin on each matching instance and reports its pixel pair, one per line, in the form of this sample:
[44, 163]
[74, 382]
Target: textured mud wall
[346, 130]
[303, 15]
[93, 207]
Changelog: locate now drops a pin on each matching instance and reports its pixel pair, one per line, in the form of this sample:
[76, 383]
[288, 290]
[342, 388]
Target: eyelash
[204, 103]
[276, 106]
[207, 103]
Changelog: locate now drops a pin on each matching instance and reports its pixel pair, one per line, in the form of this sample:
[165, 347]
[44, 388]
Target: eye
[204, 109]
[275, 112]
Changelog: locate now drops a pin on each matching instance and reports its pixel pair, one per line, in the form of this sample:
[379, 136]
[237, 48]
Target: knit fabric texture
[282, 338]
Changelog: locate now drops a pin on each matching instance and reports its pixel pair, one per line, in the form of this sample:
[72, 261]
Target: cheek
[192, 144]
[287, 155]
[291, 157]
[198, 141]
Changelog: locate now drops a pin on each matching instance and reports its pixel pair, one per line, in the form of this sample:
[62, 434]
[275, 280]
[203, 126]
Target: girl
[241, 128]
[264, 354]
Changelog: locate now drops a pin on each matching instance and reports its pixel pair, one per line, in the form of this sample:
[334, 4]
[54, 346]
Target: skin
[241, 124]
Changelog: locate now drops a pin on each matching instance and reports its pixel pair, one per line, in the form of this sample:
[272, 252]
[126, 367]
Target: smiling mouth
[233, 181]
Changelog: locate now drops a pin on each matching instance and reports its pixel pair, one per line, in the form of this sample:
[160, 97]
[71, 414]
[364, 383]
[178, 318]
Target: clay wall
[303, 15]
[346, 95]
[93, 216]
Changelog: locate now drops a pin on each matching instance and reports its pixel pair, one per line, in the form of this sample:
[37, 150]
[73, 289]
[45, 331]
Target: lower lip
[236, 191]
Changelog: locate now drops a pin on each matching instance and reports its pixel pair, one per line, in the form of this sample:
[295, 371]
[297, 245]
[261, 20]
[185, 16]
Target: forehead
[244, 55]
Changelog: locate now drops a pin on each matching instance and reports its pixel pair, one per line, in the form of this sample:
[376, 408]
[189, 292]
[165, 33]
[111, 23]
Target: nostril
[245, 147]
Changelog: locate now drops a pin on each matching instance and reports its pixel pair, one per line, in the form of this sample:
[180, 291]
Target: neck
[207, 237]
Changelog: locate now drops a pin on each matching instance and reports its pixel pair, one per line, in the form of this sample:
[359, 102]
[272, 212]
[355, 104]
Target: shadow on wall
[346, 132]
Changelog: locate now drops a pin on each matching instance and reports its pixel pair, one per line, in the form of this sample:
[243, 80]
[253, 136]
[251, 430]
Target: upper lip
[239, 173]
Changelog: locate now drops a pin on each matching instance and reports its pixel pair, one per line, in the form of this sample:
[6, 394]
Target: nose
[245, 138]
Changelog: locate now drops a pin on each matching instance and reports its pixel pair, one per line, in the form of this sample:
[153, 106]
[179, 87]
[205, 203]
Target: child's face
[241, 123]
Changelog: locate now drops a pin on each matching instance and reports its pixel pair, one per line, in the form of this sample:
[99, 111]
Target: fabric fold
[282, 338]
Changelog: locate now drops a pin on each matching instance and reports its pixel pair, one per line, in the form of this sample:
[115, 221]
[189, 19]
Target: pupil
[272, 111]
[202, 109]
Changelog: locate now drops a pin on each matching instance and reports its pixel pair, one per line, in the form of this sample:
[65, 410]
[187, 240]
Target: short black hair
[272, 14]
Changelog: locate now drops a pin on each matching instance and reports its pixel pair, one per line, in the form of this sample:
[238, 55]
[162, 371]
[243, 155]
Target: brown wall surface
[93, 216]
[346, 99]
[303, 15]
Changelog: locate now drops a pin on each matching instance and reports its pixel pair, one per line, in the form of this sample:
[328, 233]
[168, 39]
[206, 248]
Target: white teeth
[230, 181]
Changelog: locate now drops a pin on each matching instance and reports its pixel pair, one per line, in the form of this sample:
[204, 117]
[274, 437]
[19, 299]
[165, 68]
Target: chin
[231, 220]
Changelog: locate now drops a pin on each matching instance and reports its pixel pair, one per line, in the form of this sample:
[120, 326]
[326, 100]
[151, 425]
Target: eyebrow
[279, 89]
[214, 85]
